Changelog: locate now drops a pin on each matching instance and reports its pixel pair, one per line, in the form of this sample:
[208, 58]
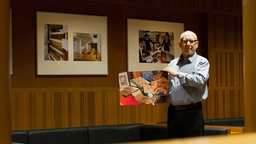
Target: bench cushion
[20, 136]
[226, 122]
[59, 136]
[114, 133]
[215, 131]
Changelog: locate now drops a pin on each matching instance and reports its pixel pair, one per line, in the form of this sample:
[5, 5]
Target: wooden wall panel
[226, 71]
[56, 107]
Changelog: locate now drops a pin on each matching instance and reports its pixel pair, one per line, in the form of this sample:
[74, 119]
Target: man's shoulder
[200, 57]
[204, 59]
[201, 61]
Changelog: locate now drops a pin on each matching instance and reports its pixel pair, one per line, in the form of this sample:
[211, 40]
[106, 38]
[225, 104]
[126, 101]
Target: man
[143, 54]
[148, 42]
[188, 76]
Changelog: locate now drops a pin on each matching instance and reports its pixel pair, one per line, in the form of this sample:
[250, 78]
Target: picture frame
[138, 28]
[123, 79]
[71, 44]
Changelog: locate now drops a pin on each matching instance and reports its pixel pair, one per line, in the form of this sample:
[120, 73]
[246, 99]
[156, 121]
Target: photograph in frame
[71, 44]
[152, 44]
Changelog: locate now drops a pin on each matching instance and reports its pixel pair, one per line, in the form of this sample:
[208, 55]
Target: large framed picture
[152, 44]
[71, 44]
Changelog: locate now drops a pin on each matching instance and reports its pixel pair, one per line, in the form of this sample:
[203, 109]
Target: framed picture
[71, 44]
[123, 79]
[152, 44]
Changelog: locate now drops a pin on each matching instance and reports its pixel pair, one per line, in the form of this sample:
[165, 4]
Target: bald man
[188, 76]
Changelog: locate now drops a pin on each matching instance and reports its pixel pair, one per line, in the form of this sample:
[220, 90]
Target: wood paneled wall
[74, 107]
[70, 101]
[226, 71]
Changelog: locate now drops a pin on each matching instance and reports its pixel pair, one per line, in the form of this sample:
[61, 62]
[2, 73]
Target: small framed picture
[123, 80]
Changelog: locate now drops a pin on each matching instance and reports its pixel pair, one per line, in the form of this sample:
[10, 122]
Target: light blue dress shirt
[191, 84]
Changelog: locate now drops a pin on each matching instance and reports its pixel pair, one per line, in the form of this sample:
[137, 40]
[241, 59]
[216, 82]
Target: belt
[187, 107]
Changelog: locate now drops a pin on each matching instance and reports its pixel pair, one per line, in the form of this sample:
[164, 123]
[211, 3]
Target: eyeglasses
[190, 41]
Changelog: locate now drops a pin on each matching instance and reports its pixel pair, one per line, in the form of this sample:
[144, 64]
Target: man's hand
[171, 71]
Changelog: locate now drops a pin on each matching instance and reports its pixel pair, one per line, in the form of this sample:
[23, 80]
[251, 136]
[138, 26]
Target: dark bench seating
[20, 136]
[99, 134]
[239, 122]
[59, 136]
[114, 133]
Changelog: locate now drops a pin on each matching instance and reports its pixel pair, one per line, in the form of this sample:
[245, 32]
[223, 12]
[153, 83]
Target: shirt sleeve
[198, 77]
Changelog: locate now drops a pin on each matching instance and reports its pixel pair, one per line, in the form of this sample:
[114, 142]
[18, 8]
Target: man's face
[142, 44]
[188, 45]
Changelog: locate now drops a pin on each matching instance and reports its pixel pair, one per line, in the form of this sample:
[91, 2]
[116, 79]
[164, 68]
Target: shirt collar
[190, 59]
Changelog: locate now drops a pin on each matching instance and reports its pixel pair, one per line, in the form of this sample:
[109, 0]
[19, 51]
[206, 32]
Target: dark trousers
[185, 122]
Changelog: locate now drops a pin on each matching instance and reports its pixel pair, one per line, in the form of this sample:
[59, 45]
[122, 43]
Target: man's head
[141, 42]
[188, 43]
[146, 36]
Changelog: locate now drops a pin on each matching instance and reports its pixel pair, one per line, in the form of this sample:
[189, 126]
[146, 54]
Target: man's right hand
[171, 71]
